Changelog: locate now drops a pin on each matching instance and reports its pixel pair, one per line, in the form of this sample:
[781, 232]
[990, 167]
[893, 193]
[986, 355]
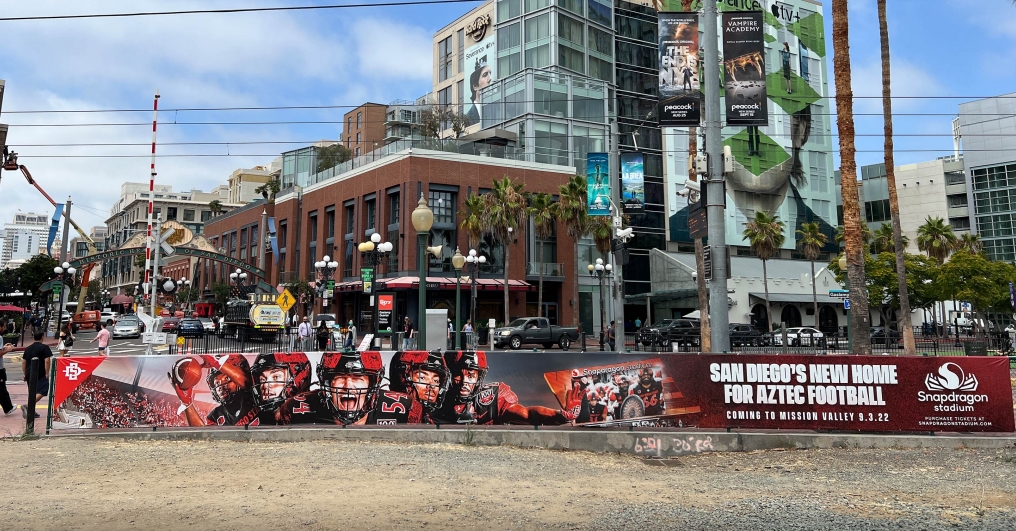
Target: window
[283, 226]
[551, 142]
[575, 6]
[444, 58]
[312, 228]
[462, 50]
[393, 231]
[509, 36]
[876, 211]
[599, 41]
[359, 121]
[330, 222]
[599, 13]
[600, 69]
[960, 223]
[357, 152]
[510, 64]
[188, 215]
[243, 244]
[571, 58]
[538, 28]
[371, 215]
[206, 215]
[254, 241]
[538, 57]
[821, 208]
[507, 9]
[460, 93]
[443, 232]
[956, 200]
[350, 220]
[569, 29]
[349, 125]
[955, 177]
[533, 5]
[170, 213]
[358, 138]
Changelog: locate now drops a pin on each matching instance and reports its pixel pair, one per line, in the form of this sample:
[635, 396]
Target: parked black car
[880, 335]
[685, 332]
[655, 334]
[746, 334]
[534, 330]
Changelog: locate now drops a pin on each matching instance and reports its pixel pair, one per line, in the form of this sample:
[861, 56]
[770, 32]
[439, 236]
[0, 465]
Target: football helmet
[458, 361]
[334, 364]
[404, 367]
[297, 368]
[234, 366]
[646, 376]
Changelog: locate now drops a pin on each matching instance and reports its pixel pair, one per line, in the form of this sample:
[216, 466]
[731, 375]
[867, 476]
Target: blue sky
[346, 57]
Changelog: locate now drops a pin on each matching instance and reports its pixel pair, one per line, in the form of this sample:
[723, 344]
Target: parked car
[109, 318]
[86, 319]
[190, 327]
[534, 330]
[684, 332]
[208, 325]
[879, 335]
[170, 324]
[801, 336]
[745, 334]
[129, 326]
[654, 335]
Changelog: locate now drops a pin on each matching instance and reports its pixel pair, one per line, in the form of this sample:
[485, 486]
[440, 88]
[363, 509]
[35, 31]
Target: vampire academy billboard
[633, 183]
[866, 393]
[744, 68]
[680, 94]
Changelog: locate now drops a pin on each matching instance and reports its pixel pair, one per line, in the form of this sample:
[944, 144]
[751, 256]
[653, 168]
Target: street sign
[839, 293]
[167, 249]
[367, 276]
[285, 300]
[707, 262]
[267, 315]
[846, 304]
[153, 338]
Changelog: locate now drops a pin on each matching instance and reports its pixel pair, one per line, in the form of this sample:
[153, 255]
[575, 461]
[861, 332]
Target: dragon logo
[950, 378]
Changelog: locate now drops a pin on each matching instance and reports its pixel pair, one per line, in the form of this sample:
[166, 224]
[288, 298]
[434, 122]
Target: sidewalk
[14, 425]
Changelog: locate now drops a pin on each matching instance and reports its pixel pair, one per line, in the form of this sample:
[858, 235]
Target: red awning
[122, 299]
[8, 308]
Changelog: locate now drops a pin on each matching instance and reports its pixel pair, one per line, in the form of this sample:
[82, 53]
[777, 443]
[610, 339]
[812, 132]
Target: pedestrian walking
[638, 324]
[36, 322]
[5, 398]
[407, 333]
[103, 338]
[611, 332]
[304, 332]
[40, 351]
[468, 329]
[350, 338]
[322, 336]
[66, 341]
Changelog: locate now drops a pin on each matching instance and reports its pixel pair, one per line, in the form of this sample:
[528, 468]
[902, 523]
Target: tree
[437, 118]
[936, 238]
[970, 243]
[572, 211]
[271, 188]
[302, 291]
[975, 279]
[543, 210]
[472, 217]
[884, 241]
[848, 178]
[331, 156]
[31, 275]
[220, 292]
[505, 208]
[866, 235]
[216, 207]
[811, 242]
[765, 235]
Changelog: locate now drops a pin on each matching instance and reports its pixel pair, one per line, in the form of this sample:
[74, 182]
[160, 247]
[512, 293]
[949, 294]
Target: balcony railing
[550, 269]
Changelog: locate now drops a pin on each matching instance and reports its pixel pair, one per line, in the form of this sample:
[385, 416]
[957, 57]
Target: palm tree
[543, 210]
[898, 239]
[848, 179]
[970, 243]
[811, 243]
[472, 219]
[884, 241]
[572, 211]
[936, 238]
[216, 207]
[866, 235]
[505, 214]
[765, 235]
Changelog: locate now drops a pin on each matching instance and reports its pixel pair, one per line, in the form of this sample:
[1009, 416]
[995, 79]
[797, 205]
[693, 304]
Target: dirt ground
[112, 484]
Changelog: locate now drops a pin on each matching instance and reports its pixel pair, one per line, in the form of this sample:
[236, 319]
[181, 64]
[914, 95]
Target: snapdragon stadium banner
[569, 388]
[680, 92]
[745, 68]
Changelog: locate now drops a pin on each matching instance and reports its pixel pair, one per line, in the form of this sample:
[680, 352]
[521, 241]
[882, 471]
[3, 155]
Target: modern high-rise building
[24, 236]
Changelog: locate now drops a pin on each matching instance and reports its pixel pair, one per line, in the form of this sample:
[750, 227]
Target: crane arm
[28, 176]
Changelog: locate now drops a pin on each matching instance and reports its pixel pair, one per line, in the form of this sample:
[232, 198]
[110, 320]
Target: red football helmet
[359, 375]
[236, 369]
[460, 361]
[268, 394]
[406, 372]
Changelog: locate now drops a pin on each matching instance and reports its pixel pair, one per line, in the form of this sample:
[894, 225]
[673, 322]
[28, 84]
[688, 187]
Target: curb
[656, 443]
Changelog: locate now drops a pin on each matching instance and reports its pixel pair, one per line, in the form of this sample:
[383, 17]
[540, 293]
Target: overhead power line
[230, 11]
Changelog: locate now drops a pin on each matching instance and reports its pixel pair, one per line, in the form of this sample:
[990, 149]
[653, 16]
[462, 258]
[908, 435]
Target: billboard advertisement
[481, 65]
[598, 184]
[744, 68]
[385, 312]
[867, 393]
[680, 93]
[633, 183]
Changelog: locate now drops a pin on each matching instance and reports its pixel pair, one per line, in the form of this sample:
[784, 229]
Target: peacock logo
[950, 378]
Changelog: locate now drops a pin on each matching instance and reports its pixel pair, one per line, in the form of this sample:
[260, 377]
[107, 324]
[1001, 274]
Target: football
[187, 373]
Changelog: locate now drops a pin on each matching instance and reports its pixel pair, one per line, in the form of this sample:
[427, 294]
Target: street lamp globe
[319, 264]
[590, 267]
[458, 261]
[233, 276]
[58, 270]
[387, 247]
[423, 216]
[366, 247]
[71, 271]
[599, 267]
[243, 276]
[843, 262]
[168, 286]
[482, 259]
[472, 252]
[65, 265]
[376, 238]
[333, 265]
[599, 261]
[609, 267]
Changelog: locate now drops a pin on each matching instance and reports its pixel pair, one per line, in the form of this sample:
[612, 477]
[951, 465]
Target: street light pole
[62, 271]
[457, 262]
[474, 259]
[846, 285]
[373, 254]
[599, 270]
[423, 220]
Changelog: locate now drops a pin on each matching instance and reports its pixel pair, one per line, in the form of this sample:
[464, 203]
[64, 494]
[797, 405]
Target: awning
[800, 298]
[8, 308]
[122, 299]
[436, 283]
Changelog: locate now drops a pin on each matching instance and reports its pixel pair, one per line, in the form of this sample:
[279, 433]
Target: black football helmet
[458, 361]
[406, 364]
[297, 368]
[236, 367]
[334, 364]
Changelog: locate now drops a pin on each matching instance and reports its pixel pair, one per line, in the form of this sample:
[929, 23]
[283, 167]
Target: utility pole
[615, 199]
[714, 189]
[64, 258]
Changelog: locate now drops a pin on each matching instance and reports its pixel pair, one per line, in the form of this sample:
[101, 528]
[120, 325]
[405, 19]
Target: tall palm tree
[572, 211]
[936, 238]
[765, 235]
[472, 219]
[899, 240]
[848, 179]
[811, 243]
[543, 210]
[970, 243]
[884, 241]
[216, 207]
[505, 211]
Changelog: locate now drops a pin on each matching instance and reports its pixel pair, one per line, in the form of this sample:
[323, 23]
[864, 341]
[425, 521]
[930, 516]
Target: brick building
[364, 129]
[333, 216]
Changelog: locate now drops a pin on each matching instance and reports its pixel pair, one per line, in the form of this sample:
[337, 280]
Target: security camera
[693, 185]
[624, 233]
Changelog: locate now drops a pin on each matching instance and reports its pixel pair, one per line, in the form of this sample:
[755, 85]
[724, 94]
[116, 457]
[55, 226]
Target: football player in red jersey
[229, 383]
[650, 391]
[422, 375]
[277, 377]
[470, 401]
[350, 394]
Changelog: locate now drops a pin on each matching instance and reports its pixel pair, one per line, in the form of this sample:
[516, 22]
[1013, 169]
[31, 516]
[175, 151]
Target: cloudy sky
[348, 56]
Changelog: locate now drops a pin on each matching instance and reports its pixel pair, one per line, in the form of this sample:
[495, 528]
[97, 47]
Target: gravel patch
[114, 484]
